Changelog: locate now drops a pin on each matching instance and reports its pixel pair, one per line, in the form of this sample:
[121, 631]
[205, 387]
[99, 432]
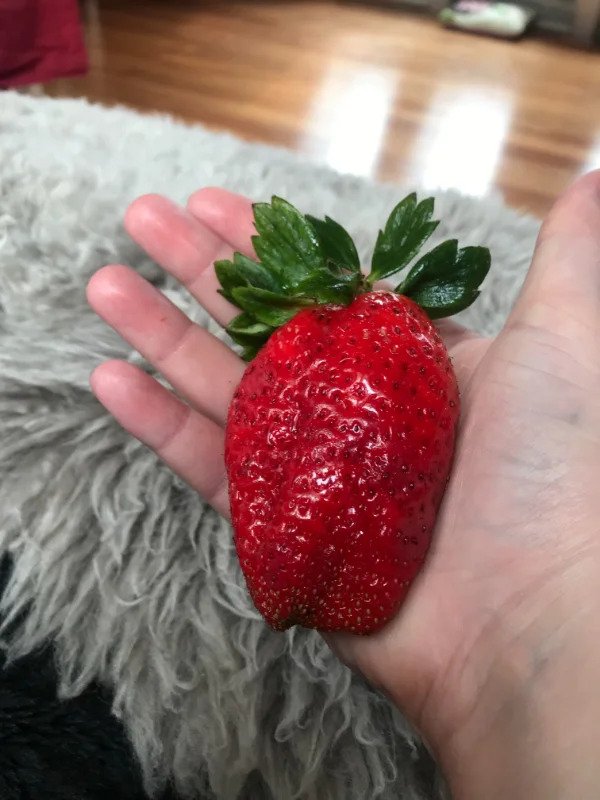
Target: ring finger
[198, 366]
[188, 442]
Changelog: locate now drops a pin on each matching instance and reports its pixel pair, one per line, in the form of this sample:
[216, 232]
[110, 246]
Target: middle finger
[185, 247]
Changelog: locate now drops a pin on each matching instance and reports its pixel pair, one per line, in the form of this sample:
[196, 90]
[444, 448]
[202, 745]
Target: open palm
[501, 574]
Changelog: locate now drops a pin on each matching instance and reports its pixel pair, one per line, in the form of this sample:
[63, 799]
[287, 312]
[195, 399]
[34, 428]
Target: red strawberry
[341, 434]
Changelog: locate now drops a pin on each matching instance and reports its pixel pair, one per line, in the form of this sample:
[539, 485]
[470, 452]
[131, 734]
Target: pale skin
[495, 656]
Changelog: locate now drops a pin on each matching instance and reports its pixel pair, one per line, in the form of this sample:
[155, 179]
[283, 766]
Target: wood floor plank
[368, 90]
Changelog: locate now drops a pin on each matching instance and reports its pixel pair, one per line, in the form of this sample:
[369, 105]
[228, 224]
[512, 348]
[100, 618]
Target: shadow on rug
[60, 750]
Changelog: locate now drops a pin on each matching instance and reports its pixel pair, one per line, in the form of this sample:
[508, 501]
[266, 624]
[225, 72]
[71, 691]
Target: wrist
[532, 727]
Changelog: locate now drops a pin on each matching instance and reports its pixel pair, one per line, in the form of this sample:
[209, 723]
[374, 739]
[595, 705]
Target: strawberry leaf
[407, 229]
[325, 287]
[446, 280]
[287, 244]
[267, 307]
[444, 300]
[336, 243]
[248, 353]
[245, 330]
[243, 271]
[437, 263]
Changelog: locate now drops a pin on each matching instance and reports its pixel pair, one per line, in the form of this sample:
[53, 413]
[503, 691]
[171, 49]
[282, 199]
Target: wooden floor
[366, 90]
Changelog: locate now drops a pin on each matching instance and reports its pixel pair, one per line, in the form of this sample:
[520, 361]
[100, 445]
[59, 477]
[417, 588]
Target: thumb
[562, 290]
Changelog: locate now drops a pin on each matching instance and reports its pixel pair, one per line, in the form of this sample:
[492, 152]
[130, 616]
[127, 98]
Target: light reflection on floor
[462, 139]
[348, 119]
[459, 144]
[593, 160]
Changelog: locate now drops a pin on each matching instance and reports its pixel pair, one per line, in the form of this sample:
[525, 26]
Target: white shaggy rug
[116, 562]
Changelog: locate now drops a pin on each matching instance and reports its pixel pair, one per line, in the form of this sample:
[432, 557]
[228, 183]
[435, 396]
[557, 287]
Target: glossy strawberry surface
[339, 444]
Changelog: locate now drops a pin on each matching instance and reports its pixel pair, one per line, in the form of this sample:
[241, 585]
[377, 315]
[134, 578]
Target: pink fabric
[40, 40]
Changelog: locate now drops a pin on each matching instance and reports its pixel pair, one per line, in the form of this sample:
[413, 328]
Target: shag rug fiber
[117, 569]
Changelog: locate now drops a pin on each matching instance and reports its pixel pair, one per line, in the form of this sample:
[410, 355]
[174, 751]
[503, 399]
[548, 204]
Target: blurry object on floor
[506, 20]
[577, 20]
[586, 26]
[40, 41]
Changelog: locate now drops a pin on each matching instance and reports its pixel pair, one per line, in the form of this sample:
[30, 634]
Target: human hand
[508, 597]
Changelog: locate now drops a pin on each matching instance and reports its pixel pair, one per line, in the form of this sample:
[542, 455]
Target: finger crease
[212, 497]
[188, 333]
[175, 432]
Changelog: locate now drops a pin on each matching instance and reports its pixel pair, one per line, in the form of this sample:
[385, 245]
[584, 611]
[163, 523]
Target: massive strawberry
[341, 434]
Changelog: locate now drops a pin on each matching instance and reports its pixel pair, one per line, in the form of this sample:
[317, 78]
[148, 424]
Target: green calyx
[302, 262]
